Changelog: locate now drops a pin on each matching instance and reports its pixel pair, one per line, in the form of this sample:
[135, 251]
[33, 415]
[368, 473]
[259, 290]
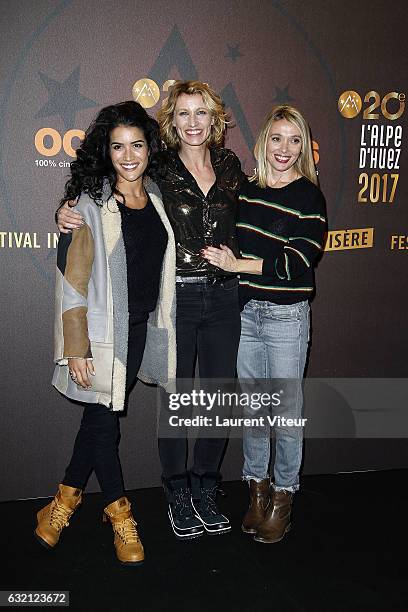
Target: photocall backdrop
[343, 64]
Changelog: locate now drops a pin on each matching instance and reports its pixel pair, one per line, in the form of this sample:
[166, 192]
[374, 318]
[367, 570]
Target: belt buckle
[212, 280]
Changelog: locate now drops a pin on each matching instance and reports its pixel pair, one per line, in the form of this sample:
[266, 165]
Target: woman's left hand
[223, 258]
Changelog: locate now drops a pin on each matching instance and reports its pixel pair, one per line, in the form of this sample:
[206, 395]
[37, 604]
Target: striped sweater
[285, 227]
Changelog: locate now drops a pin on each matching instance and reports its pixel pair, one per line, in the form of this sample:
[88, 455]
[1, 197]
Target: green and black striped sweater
[285, 227]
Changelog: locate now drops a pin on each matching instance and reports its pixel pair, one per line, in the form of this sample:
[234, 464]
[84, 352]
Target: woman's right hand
[68, 219]
[79, 370]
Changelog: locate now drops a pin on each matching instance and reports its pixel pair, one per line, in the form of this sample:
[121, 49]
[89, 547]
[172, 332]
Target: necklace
[134, 197]
[296, 176]
[129, 198]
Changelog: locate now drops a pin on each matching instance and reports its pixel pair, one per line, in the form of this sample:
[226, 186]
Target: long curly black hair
[93, 165]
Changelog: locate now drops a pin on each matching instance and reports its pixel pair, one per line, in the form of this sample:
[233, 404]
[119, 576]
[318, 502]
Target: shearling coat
[91, 306]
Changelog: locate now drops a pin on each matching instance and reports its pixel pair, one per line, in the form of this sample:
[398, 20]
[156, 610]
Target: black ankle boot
[183, 520]
[204, 493]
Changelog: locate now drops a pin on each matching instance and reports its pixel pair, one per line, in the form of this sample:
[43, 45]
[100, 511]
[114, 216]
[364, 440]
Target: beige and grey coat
[91, 306]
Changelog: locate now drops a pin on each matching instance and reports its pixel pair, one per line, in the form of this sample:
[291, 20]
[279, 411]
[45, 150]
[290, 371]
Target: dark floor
[347, 551]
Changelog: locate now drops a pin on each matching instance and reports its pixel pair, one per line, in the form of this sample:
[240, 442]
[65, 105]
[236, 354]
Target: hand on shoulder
[68, 219]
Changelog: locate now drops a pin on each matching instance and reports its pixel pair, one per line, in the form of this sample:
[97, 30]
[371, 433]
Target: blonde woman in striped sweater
[280, 233]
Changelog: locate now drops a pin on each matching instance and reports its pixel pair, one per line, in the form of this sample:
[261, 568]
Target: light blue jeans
[273, 345]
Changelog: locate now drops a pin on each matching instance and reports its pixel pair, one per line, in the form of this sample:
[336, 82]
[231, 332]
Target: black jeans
[97, 441]
[208, 326]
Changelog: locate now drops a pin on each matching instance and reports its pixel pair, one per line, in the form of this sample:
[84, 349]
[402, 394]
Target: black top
[145, 239]
[198, 220]
[284, 227]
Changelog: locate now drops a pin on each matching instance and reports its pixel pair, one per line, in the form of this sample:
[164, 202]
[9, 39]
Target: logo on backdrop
[349, 104]
[346, 239]
[380, 143]
[146, 92]
[399, 243]
[50, 142]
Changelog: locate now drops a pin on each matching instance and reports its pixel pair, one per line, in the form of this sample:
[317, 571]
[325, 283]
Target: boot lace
[182, 503]
[127, 531]
[208, 497]
[59, 516]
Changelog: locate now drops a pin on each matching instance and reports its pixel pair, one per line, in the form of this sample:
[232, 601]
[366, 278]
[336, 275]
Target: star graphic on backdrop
[64, 98]
[233, 52]
[282, 95]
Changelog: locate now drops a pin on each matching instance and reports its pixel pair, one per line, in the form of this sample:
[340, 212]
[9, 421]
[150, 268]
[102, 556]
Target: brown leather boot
[277, 519]
[259, 498]
[52, 519]
[129, 549]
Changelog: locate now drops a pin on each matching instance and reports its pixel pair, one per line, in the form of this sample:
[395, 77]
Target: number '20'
[374, 95]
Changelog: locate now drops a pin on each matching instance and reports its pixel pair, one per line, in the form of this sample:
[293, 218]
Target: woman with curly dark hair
[114, 302]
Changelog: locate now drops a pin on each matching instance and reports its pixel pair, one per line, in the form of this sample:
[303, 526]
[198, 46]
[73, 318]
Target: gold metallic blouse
[198, 220]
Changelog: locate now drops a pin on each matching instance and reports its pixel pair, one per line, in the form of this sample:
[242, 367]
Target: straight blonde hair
[211, 100]
[304, 164]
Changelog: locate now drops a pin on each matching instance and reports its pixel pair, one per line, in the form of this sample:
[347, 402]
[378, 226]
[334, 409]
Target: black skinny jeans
[208, 326]
[97, 441]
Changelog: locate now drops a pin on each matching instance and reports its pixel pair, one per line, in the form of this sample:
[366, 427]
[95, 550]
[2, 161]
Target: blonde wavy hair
[304, 164]
[211, 100]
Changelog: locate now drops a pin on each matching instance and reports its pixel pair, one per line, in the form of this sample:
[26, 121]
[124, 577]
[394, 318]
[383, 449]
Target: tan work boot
[259, 498]
[129, 549]
[277, 519]
[55, 516]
